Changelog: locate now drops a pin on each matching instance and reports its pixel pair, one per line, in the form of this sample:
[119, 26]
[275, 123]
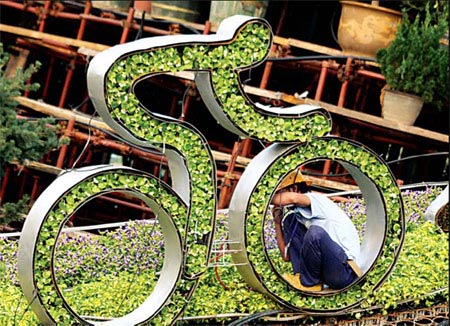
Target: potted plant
[364, 28]
[416, 64]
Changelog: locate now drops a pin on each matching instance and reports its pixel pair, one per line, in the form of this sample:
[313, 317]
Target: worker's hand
[277, 213]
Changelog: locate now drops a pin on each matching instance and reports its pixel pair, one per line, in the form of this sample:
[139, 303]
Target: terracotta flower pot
[365, 28]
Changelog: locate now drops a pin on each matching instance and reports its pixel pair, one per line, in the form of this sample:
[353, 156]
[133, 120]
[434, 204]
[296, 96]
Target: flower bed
[109, 275]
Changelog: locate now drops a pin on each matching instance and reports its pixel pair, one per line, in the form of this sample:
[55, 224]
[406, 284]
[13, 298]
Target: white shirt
[326, 214]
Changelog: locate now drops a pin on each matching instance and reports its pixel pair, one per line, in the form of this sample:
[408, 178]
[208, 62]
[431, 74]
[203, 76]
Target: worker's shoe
[294, 280]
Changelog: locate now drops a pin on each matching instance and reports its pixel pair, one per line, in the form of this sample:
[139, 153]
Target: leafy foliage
[438, 8]
[209, 298]
[20, 139]
[115, 180]
[251, 45]
[111, 253]
[416, 62]
[371, 166]
[422, 268]
[14, 211]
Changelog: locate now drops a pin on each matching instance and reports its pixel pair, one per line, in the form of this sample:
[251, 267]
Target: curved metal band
[173, 257]
[240, 206]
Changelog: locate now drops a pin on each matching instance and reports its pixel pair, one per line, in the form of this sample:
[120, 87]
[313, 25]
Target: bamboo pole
[378, 121]
[55, 111]
[364, 117]
[95, 122]
[46, 36]
[100, 47]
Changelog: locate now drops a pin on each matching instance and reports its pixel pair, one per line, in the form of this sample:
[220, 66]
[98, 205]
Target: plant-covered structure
[186, 209]
[127, 259]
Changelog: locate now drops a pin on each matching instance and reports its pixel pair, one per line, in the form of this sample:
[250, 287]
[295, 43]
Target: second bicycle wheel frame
[381, 244]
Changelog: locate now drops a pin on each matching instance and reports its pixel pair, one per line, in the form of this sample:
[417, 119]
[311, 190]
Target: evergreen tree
[20, 139]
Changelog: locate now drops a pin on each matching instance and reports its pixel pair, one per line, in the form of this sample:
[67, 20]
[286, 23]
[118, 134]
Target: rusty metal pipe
[87, 17]
[126, 26]
[371, 74]
[23, 180]
[72, 156]
[246, 147]
[5, 183]
[82, 27]
[225, 184]
[43, 15]
[71, 66]
[344, 86]
[173, 106]
[334, 66]
[34, 190]
[63, 150]
[69, 75]
[48, 78]
[62, 99]
[326, 168]
[120, 147]
[322, 79]
[20, 6]
[65, 15]
[207, 28]
[26, 93]
[103, 20]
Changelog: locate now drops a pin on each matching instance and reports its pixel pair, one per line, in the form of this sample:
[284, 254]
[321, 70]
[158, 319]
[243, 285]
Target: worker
[315, 235]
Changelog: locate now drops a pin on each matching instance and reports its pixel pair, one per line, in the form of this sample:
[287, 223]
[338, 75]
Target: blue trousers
[316, 256]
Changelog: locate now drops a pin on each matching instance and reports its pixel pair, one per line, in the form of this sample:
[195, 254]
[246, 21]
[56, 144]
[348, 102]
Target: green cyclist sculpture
[186, 210]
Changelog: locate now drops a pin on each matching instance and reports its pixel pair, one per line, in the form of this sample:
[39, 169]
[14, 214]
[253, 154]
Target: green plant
[14, 211]
[20, 139]
[224, 60]
[69, 203]
[438, 8]
[416, 62]
[336, 149]
[425, 250]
